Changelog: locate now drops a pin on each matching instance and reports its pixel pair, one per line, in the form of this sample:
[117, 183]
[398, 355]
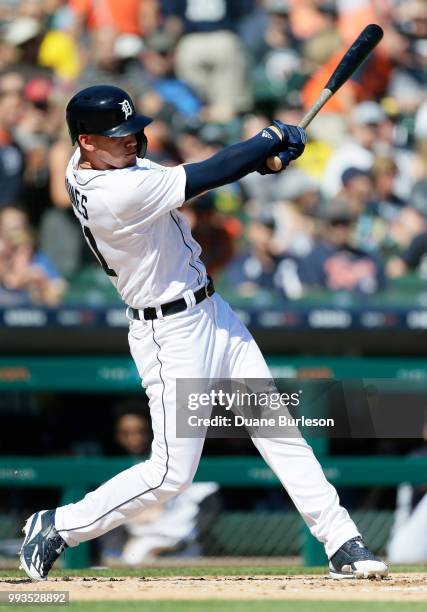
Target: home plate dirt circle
[397, 587]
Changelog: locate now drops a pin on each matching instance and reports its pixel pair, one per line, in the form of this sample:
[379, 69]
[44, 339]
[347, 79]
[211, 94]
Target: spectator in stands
[279, 33]
[253, 270]
[11, 156]
[356, 200]
[210, 56]
[407, 82]
[8, 54]
[13, 219]
[324, 36]
[38, 40]
[59, 49]
[358, 150]
[268, 34]
[30, 275]
[60, 235]
[34, 133]
[419, 166]
[296, 208]
[406, 227]
[410, 234]
[132, 428]
[387, 203]
[137, 17]
[188, 142]
[175, 96]
[5, 258]
[266, 27]
[374, 203]
[356, 191]
[24, 35]
[105, 65]
[412, 258]
[418, 197]
[336, 265]
[7, 10]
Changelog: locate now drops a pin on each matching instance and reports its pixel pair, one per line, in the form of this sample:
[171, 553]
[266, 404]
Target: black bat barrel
[357, 53]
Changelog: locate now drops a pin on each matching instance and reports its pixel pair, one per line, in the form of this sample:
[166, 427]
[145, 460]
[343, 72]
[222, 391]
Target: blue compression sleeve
[231, 164]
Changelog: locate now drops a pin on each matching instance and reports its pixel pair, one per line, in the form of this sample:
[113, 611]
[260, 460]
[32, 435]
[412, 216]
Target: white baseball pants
[206, 341]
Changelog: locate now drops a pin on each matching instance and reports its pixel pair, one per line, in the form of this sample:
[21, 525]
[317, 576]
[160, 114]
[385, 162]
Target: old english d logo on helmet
[126, 108]
[104, 110]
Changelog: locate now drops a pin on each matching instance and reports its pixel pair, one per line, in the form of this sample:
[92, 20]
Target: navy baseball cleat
[354, 560]
[42, 545]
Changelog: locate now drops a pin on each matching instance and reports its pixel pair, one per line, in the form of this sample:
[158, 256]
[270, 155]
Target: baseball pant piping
[63, 531]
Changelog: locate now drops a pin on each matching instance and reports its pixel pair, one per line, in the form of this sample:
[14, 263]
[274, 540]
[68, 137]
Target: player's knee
[168, 480]
[178, 476]
[177, 483]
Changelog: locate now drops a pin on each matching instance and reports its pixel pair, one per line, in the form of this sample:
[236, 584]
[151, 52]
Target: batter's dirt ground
[399, 587]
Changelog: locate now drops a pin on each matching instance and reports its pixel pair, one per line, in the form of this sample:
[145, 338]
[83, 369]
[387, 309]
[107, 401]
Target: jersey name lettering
[77, 200]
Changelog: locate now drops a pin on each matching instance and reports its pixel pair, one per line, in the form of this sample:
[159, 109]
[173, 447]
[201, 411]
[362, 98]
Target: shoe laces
[356, 547]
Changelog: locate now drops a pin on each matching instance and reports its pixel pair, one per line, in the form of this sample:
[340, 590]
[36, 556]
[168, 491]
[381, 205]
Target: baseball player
[179, 327]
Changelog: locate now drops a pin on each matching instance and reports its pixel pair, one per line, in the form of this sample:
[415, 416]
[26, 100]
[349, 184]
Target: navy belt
[150, 313]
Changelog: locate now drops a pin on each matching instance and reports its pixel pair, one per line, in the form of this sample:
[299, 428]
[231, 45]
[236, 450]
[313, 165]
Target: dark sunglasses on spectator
[340, 222]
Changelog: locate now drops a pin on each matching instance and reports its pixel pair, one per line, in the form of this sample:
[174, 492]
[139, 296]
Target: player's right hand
[294, 138]
[281, 160]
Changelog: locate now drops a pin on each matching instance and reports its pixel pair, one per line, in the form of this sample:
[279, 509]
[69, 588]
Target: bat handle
[320, 103]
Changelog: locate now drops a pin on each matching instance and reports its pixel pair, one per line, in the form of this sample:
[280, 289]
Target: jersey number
[92, 242]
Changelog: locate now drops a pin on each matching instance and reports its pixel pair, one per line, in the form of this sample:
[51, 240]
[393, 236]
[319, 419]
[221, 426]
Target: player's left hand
[293, 144]
[294, 137]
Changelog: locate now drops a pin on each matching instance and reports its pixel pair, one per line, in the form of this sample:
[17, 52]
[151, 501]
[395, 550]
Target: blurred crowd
[350, 216]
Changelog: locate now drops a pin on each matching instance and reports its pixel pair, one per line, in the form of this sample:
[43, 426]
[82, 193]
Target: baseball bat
[349, 63]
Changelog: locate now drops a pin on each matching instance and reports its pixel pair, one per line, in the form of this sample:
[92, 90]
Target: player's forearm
[232, 163]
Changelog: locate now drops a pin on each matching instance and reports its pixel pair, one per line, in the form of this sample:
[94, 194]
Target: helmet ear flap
[141, 143]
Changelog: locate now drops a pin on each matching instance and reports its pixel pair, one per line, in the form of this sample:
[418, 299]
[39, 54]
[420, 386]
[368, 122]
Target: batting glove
[293, 137]
[293, 144]
[285, 157]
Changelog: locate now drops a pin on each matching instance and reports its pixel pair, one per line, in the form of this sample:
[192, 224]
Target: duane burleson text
[241, 421]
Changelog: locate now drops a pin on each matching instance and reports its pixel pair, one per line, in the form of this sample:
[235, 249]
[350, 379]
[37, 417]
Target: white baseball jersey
[130, 219]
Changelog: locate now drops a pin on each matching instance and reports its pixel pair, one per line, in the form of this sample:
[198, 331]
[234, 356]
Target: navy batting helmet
[108, 111]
